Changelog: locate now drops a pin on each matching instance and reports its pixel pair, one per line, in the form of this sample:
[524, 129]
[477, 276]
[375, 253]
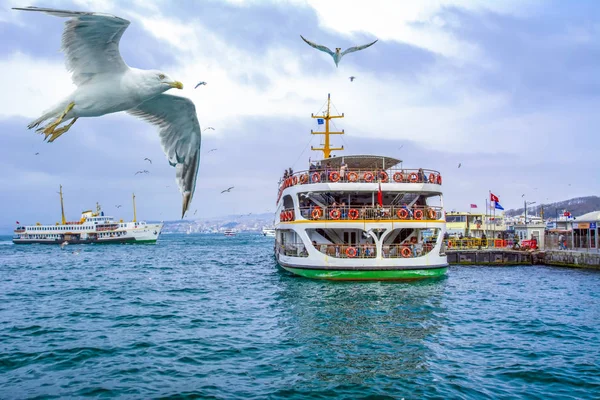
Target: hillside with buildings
[576, 206]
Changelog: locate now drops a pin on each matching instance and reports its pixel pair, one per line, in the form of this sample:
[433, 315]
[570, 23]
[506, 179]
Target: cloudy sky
[510, 90]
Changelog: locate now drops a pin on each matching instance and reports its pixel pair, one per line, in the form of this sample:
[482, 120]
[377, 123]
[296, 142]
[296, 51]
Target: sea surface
[209, 316]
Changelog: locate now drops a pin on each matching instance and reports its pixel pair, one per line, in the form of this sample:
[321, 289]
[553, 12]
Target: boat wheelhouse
[92, 227]
[360, 217]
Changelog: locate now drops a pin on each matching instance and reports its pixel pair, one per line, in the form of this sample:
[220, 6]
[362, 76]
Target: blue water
[212, 317]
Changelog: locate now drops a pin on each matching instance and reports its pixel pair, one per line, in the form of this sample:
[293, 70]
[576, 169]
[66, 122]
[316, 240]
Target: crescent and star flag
[380, 196]
[493, 197]
[473, 205]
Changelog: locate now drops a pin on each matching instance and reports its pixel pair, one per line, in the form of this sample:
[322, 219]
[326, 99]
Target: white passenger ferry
[360, 217]
[92, 227]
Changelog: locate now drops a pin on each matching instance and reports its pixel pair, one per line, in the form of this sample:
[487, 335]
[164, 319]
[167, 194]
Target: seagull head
[338, 50]
[153, 82]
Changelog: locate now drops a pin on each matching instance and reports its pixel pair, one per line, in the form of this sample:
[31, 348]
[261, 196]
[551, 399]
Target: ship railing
[407, 250]
[293, 249]
[364, 250]
[392, 175]
[364, 213]
[478, 243]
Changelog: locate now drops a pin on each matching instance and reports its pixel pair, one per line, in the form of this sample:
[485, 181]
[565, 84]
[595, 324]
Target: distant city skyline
[507, 90]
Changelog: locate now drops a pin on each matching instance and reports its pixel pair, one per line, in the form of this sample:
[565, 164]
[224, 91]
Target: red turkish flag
[493, 197]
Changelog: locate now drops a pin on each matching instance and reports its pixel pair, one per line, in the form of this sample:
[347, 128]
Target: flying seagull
[211, 150]
[147, 159]
[523, 195]
[227, 190]
[338, 54]
[352, 78]
[459, 164]
[210, 127]
[200, 84]
[118, 206]
[142, 172]
[105, 84]
[37, 154]
[195, 211]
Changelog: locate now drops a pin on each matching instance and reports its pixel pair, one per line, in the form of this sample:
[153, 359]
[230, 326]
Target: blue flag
[320, 121]
[498, 206]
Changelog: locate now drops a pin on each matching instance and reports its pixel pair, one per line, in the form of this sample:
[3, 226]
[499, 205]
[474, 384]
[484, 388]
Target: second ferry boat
[360, 217]
[92, 227]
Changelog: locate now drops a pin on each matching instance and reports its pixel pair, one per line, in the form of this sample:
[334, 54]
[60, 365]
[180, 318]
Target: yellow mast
[62, 207]
[326, 149]
[134, 216]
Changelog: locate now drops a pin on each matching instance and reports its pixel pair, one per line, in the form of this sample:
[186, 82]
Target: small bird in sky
[209, 127]
[227, 190]
[523, 195]
[459, 164]
[569, 184]
[142, 172]
[352, 78]
[195, 211]
[200, 84]
[400, 147]
[249, 214]
[37, 154]
[147, 159]
[338, 54]
[211, 150]
[168, 186]
[118, 206]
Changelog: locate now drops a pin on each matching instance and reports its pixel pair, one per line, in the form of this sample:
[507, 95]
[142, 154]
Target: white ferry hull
[148, 233]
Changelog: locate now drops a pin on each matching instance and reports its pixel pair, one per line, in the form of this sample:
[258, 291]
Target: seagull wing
[90, 42]
[357, 48]
[318, 46]
[179, 135]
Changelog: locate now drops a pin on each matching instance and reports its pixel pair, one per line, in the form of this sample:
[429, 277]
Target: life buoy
[295, 180]
[449, 244]
[383, 176]
[292, 216]
[439, 179]
[303, 179]
[406, 252]
[352, 177]
[432, 178]
[317, 213]
[402, 213]
[413, 177]
[335, 213]
[351, 252]
[431, 214]
[418, 214]
[334, 176]
[353, 213]
[316, 178]
[398, 177]
[368, 177]
[281, 217]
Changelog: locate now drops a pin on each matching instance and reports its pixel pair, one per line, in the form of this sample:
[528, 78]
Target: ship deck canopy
[361, 162]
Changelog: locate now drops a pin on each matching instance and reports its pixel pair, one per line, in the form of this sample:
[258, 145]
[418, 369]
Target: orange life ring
[334, 176]
[352, 177]
[398, 177]
[281, 216]
[303, 179]
[295, 180]
[402, 213]
[292, 215]
[353, 213]
[418, 214]
[431, 214]
[406, 252]
[383, 176]
[316, 178]
[368, 177]
[432, 178]
[351, 252]
[414, 177]
[317, 213]
[335, 213]
[439, 179]
[449, 244]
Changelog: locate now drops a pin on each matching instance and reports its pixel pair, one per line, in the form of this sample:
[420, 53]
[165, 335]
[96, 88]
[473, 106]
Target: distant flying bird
[523, 195]
[210, 127]
[106, 84]
[400, 147]
[200, 84]
[211, 150]
[147, 159]
[459, 164]
[227, 190]
[338, 54]
[142, 172]
[195, 211]
[118, 206]
[37, 154]
[352, 78]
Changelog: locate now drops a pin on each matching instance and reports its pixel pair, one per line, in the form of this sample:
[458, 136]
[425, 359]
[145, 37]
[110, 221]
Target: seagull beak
[176, 85]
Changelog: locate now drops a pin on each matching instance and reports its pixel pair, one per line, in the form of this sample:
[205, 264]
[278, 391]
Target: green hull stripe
[368, 275]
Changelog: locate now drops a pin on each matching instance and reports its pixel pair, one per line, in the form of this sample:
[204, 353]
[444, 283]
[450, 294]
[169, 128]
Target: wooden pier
[559, 258]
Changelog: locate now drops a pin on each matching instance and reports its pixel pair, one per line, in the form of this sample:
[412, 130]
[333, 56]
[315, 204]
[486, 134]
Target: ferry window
[455, 218]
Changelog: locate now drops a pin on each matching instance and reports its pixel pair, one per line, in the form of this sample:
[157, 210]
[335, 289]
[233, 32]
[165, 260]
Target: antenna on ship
[134, 216]
[326, 149]
[62, 207]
